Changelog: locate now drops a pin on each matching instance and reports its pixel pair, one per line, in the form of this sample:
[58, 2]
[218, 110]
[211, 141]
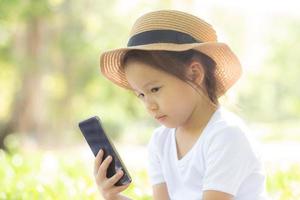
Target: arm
[216, 195]
[160, 192]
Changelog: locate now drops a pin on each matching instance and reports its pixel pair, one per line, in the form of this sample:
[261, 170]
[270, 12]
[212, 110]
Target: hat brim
[228, 67]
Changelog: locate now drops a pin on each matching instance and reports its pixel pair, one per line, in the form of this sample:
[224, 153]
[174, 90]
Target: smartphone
[97, 139]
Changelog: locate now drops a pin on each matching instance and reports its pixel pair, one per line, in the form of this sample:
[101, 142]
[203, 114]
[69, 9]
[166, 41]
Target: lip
[162, 117]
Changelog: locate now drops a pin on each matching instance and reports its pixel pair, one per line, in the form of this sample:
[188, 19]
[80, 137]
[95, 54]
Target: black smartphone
[97, 139]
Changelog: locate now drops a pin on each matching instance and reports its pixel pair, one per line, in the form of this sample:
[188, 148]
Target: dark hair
[162, 60]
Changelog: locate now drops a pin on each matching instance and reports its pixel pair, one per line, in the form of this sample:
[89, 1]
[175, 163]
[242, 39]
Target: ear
[195, 72]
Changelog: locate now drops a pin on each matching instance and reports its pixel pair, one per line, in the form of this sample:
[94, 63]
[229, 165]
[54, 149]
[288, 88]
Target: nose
[150, 104]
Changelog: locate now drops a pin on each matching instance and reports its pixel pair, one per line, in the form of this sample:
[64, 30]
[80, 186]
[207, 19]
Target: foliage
[284, 183]
[44, 175]
[271, 95]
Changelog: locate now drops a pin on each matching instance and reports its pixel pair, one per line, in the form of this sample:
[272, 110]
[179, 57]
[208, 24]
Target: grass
[59, 175]
[284, 183]
[46, 176]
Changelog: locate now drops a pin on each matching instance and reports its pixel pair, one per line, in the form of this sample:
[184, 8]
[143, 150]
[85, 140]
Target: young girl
[177, 68]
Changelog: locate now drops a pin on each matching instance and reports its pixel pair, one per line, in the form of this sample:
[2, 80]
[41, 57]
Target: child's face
[162, 94]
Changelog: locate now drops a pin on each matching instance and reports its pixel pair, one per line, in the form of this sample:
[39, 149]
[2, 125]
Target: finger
[119, 189]
[111, 181]
[103, 167]
[98, 161]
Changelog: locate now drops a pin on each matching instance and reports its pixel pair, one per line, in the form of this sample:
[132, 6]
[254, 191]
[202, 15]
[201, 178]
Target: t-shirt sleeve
[229, 160]
[154, 160]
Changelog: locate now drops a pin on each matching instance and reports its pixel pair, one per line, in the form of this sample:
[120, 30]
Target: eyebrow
[149, 83]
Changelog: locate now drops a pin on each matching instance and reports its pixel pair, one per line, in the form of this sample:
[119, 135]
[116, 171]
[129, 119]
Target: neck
[198, 119]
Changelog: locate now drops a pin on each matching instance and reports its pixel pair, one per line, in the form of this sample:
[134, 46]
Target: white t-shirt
[222, 159]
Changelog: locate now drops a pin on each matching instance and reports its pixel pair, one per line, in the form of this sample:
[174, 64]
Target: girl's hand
[106, 185]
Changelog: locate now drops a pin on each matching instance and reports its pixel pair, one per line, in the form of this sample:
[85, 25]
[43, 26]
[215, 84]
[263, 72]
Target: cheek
[184, 108]
[180, 103]
[179, 112]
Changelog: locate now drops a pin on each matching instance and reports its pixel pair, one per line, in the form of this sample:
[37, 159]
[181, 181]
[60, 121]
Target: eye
[156, 89]
[140, 95]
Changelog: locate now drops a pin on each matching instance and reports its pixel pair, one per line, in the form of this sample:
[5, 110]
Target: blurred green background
[50, 80]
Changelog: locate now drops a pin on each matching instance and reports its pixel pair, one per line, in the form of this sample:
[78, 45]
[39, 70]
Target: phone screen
[98, 139]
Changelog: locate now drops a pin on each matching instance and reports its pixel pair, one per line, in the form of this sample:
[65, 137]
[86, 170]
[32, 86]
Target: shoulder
[227, 124]
[229, 131]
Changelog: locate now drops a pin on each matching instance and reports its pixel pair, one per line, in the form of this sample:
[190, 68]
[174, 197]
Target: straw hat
[172, 30]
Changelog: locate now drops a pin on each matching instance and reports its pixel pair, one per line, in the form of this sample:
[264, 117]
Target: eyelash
[155, 88]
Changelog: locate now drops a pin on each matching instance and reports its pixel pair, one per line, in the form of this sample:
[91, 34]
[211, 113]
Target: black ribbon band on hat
[161, 36]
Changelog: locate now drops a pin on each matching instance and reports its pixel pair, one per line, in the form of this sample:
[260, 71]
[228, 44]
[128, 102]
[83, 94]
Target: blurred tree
[26, 49]
[53, 52]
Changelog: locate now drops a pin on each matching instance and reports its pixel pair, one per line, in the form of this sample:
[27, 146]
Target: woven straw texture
[228, 68]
